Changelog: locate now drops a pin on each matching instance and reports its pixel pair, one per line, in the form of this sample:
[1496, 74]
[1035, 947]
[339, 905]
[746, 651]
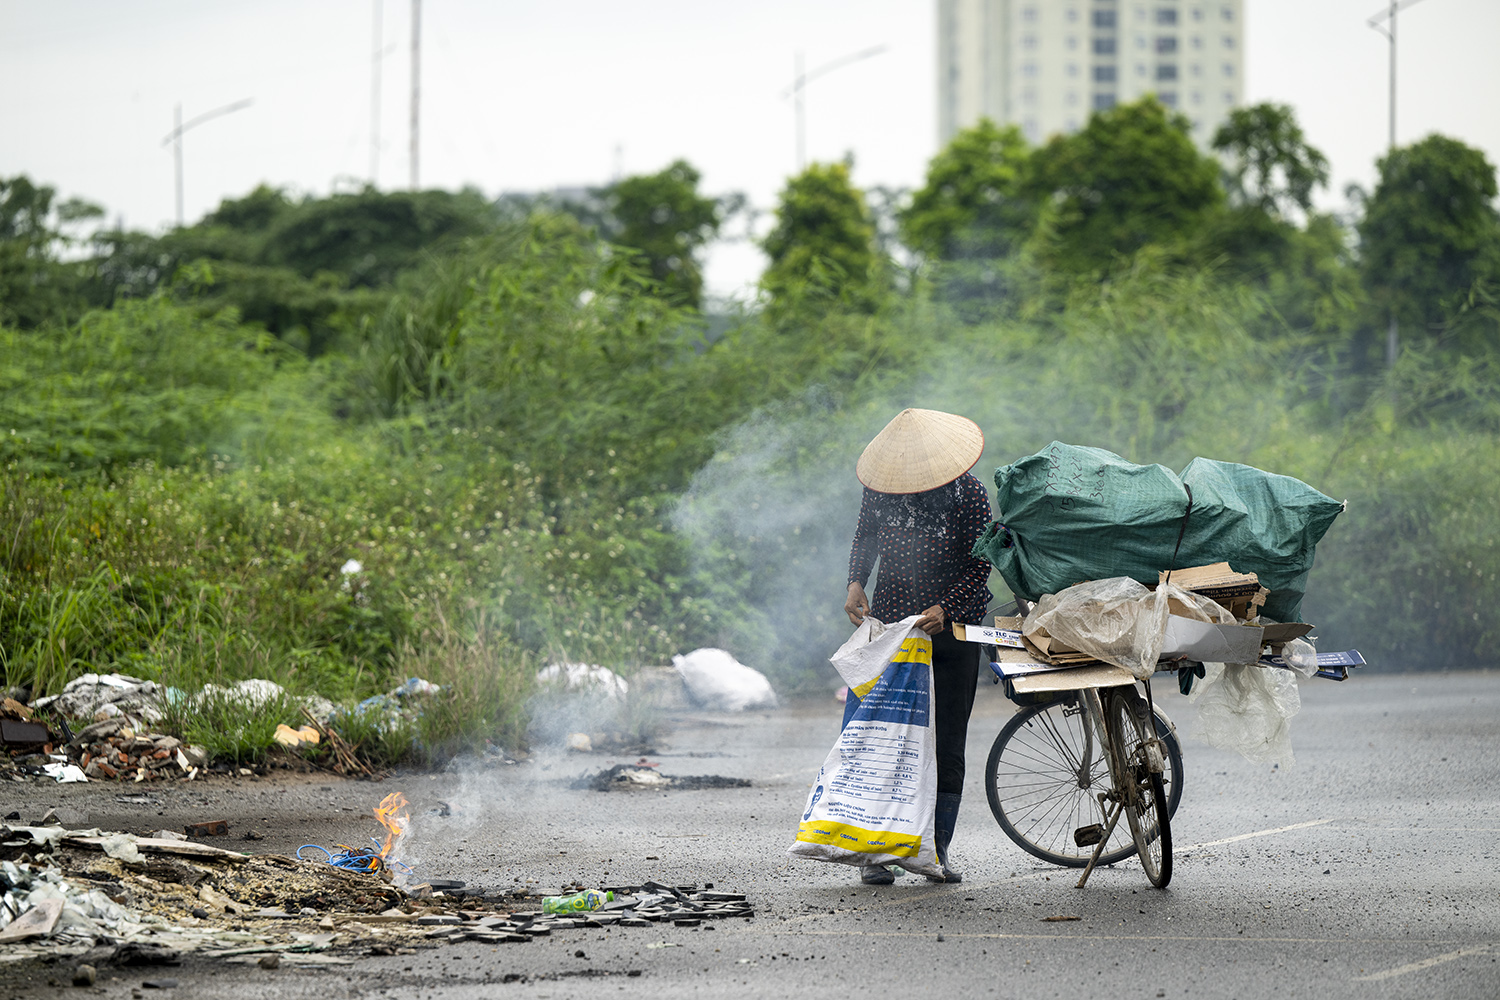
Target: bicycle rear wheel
[1145, 800]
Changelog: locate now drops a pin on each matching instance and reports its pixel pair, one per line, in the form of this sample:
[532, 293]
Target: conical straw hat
[920, 450]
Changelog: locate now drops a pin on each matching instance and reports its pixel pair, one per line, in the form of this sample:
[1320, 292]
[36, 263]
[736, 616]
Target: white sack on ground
[585, 678]
[716, 681]
[112, 694]
[1247, 709]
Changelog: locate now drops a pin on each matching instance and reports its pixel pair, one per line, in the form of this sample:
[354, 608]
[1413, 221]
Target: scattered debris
[585, 678]
[1058, 919]
[295, 739]
[627, 777]
[214, 828]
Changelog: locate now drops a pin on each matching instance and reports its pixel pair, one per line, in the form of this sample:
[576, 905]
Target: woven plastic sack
[1069, 514]
[874, 799]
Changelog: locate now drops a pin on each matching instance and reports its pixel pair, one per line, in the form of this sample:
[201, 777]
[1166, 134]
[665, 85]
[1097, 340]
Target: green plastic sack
[1070, 513]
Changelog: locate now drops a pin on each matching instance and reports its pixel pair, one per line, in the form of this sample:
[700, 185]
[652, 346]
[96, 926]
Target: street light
[175, 138]
[1393, 334]
[800, 82]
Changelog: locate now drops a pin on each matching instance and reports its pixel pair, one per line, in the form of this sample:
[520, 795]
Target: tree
[1129, 178]
[1430, 231]
[1271, 166]
[35, 284]
[973, 204]
[823, 244]
[663, 216]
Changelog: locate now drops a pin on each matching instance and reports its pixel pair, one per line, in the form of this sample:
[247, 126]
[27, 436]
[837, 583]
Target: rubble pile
[116, 897]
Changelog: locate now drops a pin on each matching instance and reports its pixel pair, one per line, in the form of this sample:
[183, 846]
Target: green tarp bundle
[1069, 514]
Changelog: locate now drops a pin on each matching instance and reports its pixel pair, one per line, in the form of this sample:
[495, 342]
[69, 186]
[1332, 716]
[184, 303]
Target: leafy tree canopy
[663, 216]
[973, 204]
[35, 285]
[1270, 166]
[1131, 177]
[1430, 230]
[823, 244]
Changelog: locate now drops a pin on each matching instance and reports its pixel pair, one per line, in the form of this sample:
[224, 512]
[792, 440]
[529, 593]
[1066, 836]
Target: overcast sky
[526, 96]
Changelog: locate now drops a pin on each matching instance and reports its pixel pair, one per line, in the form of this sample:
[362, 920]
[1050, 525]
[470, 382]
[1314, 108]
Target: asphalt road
[1367, 870]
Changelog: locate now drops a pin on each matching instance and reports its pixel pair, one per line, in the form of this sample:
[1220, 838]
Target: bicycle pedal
[1088, 836]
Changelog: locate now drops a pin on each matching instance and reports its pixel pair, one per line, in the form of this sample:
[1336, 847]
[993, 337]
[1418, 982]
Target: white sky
[525, 96]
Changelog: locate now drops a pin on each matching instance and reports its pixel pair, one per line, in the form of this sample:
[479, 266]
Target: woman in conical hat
[921, 514]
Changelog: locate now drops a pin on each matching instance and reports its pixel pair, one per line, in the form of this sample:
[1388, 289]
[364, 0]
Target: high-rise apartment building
[1044, 65]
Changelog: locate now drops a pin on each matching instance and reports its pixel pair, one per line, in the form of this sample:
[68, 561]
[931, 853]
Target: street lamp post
[800, 80]
[1393, 333]
[179, 127]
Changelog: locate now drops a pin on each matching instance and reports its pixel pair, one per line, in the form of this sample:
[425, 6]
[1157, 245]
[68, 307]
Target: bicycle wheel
[1032, 781]
[1145, 801]
[1043, 773]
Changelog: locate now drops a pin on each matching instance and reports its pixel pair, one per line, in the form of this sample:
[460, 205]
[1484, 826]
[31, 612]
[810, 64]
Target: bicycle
[1061, 774]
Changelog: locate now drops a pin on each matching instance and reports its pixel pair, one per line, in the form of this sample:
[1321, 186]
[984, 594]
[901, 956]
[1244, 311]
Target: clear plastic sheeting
[1116, 620]
[1247, 709]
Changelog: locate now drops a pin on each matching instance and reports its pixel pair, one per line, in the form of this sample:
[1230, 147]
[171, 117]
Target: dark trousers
[955, 676]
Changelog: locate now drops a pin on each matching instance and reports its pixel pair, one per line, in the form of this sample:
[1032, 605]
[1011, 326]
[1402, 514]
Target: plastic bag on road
[874, 798]
[720, 683]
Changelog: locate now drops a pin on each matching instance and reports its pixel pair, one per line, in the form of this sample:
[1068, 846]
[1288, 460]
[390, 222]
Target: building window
[1197, 97]
[1140, 41]
[1072, 124]
[1032, 130]
[1197, 70]
[1104, 19]
[1072, 69]
[1228, 97]
[1028, 42]
[1028, 96]
[1140, 69]
[1029, 70]
[1229, 69]
[1166, 15]
[1104, 74]
[1168, 97]
[1072, 14]
[1072, 42]
[1229, 41]
[1229, 13]
[1197, 42]
[1028, 14]
[1072, 97]
[1104, 46]
[1166, 71]
[1166, 44]
[1103, 102]
[1197, 13]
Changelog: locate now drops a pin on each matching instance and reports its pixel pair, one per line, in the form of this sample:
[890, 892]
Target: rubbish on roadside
[213, 828]
[1128, 519]
[589, 899]
[257, 692]
[580, 743]
[112, 694]
[64, 772]
[873, 800]
[18, 732]
[718, 682]
[295, 739]
[636, 777]
[585, 679]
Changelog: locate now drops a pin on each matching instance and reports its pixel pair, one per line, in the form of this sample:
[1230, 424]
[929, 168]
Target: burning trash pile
[118, 898]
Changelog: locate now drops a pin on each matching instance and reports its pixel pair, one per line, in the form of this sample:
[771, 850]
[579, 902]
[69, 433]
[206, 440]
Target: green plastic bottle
[589, 899]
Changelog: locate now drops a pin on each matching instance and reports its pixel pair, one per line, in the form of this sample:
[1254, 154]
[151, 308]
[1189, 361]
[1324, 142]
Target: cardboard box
[1098, 675]
[1188, 639]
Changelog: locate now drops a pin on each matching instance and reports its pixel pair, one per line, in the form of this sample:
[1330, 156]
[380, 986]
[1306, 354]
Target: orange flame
[392, 814]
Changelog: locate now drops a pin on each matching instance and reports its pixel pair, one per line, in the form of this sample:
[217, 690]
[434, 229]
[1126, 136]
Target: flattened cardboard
[989, 635]
[1098, 675]
[1208, 643]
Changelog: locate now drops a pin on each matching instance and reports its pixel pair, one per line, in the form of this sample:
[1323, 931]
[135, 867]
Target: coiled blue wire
[348, 859]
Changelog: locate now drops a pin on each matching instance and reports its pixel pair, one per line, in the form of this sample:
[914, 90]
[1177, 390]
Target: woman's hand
[857, 607]
[932, 620]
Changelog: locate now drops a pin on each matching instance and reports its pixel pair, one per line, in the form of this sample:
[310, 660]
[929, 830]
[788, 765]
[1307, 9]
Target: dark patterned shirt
[923, 541]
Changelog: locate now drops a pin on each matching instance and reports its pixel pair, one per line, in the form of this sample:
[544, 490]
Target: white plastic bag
[874, 798]
[1247, 709]
[1116, 620]
[720, 683]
